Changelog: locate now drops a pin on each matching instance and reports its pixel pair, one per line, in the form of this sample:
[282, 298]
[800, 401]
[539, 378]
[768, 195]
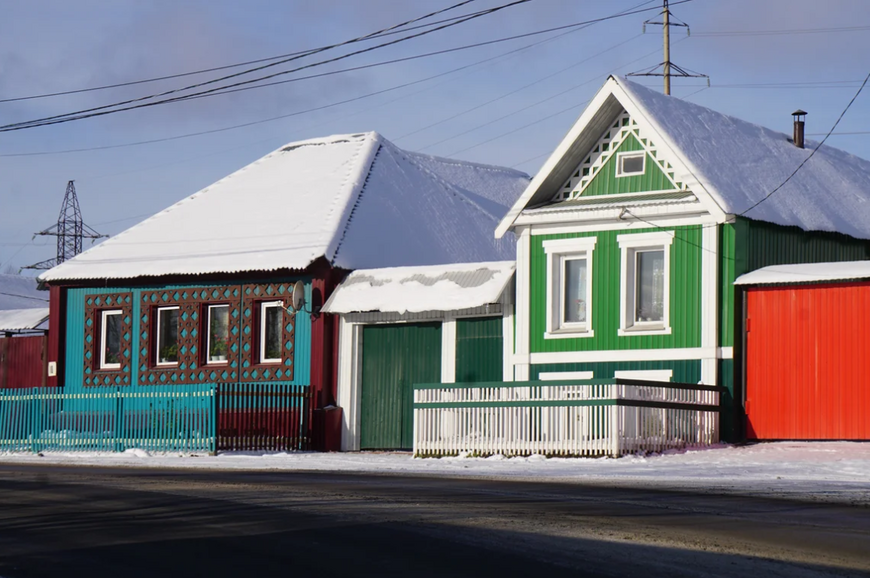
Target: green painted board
[607, 183]
[479, 350]
[394, 358]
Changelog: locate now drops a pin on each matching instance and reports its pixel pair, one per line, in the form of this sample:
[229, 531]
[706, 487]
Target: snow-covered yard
[828, 471]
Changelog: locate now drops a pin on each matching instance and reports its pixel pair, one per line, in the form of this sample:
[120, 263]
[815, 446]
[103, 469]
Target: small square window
[630, 164]
[569, 287]
[218, 335]
[110, 339]
[167, 336]
[271, 332]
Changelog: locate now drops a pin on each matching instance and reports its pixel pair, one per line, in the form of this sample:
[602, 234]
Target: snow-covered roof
[806, 273]
[23, 319]
[429, 288]
[735, 162]
[358, 200]
[20, 292]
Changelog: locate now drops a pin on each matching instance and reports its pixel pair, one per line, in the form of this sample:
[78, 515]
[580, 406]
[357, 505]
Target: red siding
[807, 362]
[56, 329]
[22, 361]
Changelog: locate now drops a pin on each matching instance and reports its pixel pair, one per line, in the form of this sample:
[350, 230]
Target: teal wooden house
[207, 291]
[631, 235]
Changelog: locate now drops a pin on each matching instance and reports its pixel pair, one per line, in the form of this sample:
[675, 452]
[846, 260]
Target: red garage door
[808, 362]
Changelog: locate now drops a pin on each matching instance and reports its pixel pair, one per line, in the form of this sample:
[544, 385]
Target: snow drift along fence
[180, 418]
[257, 417]
[563, 418]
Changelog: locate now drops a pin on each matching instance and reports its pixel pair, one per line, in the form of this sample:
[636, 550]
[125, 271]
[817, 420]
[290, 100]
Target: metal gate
[394, 358]
[807, 366]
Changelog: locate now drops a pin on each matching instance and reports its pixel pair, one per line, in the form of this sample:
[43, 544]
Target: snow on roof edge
[806, 273]
[401, 289]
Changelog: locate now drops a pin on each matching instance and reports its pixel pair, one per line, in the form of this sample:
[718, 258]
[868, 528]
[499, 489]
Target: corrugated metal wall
[807, 361]
[685, 298]
[479, 349]
[22, 361]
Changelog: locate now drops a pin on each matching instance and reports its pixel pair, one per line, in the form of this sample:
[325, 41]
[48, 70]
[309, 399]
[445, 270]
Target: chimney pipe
[799, 122]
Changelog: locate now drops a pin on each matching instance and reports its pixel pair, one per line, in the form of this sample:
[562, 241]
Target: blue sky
[510, 109]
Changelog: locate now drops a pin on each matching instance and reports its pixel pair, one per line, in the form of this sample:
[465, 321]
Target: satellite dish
[298, 296]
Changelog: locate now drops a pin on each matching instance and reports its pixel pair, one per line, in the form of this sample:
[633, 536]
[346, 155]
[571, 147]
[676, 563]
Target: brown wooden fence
[263, 417]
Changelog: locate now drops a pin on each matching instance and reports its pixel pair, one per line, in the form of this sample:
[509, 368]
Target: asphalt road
[94, 522]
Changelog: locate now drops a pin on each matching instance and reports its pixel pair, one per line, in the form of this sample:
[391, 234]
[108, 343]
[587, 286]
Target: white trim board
[559, 375]
[674, 354]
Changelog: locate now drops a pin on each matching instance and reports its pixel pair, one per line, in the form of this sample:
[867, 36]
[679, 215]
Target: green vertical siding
[685, 295]
[394, 358]
[685, 371]
[606, 182]
[761, 244]
[479, 350]
[730, 430]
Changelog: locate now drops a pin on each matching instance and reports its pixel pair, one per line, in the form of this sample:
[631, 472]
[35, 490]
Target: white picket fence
[576, 418]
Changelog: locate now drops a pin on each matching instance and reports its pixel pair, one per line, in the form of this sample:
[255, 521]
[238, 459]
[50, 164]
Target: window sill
[659, 330]
[568, 334]
[109, 368]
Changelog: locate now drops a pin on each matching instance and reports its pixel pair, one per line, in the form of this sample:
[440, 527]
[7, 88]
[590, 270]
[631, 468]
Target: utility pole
[69, 230]
[666, 26]
[667, 69]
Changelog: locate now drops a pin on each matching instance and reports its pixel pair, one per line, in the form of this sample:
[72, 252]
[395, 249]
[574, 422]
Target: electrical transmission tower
[668, 69]
[70, 230]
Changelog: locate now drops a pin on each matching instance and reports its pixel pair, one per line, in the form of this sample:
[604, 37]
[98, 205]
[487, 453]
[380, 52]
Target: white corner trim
[559, 375]
[507, 334]
[348, 386]
[521, 337]
[448, 350]
[709, 314]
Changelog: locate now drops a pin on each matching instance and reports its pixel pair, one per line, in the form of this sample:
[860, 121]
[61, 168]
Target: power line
[215, 68]
[781, 32]
[23, 296]
[222, 90]
[101, 110]
[818, 146]
[571, 28]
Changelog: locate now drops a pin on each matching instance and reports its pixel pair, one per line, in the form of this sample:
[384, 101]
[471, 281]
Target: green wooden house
[631, 235]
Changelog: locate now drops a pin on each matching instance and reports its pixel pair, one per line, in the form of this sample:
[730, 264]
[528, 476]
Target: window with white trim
[630, 164]
[271, 332]
[218, 335]
[569, 287]
[645, 283]
[167, 336]
[110, 339]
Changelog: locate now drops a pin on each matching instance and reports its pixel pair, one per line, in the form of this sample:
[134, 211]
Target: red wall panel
[22, 361]
[808, 362]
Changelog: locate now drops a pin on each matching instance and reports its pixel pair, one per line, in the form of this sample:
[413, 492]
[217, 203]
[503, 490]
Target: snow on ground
[821, 471]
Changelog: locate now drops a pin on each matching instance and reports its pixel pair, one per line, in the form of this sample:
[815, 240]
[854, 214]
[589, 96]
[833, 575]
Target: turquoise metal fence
[180, 418]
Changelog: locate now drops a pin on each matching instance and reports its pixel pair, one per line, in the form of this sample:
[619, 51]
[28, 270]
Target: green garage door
[394, 358]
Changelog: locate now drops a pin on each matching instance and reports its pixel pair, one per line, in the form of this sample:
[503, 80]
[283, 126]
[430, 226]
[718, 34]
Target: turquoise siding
[75, 333]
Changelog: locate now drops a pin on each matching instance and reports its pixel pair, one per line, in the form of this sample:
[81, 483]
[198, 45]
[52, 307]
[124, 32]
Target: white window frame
[208, 361]
[103, 316]
[157, 339]
[558, 251]
[630, 245]
[261, 353]
[619, 156]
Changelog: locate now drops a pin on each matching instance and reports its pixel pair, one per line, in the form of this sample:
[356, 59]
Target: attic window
[630, 164]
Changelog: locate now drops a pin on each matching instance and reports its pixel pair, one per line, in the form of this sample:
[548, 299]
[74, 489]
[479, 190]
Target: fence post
[212, 429]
